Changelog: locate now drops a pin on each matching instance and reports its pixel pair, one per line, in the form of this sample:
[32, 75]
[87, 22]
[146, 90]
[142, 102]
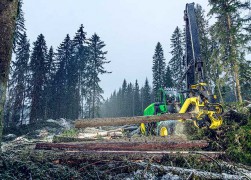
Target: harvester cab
[168, 100]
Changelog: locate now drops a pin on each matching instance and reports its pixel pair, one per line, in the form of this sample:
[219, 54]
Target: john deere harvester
[199, 99]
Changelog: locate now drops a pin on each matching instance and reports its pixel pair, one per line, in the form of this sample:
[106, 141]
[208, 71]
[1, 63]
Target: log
[96, 122]
[101, 134]
[155, 156]
[124, 146]
[62, 139]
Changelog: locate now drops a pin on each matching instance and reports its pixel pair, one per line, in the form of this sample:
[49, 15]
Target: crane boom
[195, 72]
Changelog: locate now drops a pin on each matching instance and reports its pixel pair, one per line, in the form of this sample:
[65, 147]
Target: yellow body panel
[143, 128]
[216, 121]
[163, 132]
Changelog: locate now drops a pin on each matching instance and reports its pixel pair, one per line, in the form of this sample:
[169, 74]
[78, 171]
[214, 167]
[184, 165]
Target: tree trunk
[237, 81]
[125, 146]
[219, 91]
[96, 122]
[8, 13]
[233, 61]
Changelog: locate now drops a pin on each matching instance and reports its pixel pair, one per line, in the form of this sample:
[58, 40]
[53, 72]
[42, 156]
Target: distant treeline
[224, 49]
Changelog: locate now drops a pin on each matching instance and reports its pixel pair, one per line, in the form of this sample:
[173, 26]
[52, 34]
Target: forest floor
[21, 160]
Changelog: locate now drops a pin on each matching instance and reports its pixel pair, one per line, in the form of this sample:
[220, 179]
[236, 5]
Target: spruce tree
[245, 79]
[216, 66]
[20, 25]
[51, 68]
[19, 81]
[95, 67]
[118, 102]
[168, 78]
[136, 100]
[158, 68]
[61, 82]
[38, 78]
[123, 98]
[146, 96]
[129, 110]
[81, 58]
[229, 29]
[176, 62]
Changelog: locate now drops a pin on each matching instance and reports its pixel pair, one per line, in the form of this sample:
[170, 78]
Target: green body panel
[182, 100]
[149, 110]
[163, 109]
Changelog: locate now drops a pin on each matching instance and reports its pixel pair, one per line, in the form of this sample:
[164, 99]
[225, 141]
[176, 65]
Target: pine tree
[146, 96]
[229, 30]
[136, 100]
[168, 78]
[38, 78]
[20, 25]
[129, 110]
[216, 66]
[51, 68]
[118, 103]
[95, 67]
[245, 79]
[158, 68]
[62, 96]
[72, 91]
[123, 98]
[81, 58]
[176, 62]
[19, 81]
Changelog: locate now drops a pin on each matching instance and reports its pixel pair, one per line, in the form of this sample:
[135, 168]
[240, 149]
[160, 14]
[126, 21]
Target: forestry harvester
[196, 103]
[199, 99]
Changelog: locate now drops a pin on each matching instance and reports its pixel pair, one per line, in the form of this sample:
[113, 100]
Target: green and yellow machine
[168, 101]
[197, 99]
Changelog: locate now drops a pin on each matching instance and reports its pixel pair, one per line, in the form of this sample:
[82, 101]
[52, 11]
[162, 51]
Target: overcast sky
[129, 28]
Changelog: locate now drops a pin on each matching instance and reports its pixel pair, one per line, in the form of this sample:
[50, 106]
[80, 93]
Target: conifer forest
[189, 118]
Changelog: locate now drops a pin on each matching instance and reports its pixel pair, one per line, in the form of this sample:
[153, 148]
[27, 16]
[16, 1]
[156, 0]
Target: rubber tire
[169, 125]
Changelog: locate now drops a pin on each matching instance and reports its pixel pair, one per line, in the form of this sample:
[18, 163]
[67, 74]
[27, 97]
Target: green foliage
[230, 30]
[17, 167]
[70, 133]
[234, 136]
[239, 151]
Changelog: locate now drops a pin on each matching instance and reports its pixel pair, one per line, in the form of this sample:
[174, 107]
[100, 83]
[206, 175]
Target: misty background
[130, 29]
